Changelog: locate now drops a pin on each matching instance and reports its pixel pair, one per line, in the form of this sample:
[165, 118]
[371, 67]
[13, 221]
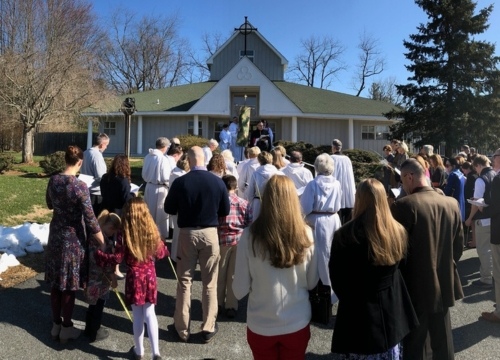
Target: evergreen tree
[454, 92]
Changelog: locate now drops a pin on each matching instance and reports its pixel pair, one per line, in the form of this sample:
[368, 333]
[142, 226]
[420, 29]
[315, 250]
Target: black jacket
[375, 311]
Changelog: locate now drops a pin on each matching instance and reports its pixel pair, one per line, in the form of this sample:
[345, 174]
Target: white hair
[227, 155]
[213, 142]
[324, 164]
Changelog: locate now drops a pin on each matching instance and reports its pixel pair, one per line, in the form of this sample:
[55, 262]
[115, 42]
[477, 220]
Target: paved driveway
[25, 323]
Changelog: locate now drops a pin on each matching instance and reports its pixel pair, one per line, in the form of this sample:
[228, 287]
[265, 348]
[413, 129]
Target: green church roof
[308, 99]
[312, 100]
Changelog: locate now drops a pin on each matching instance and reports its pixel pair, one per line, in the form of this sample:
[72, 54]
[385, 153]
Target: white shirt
[246, 175]
[156, 169]
[208, 154]
[345, 175]
[300, 175]
[279, 299]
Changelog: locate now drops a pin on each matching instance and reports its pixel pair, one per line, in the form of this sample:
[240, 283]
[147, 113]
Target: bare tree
[319, 62]
[386, 90]
[370, 62]
[46, 62]
[142, 54]
[198, 69]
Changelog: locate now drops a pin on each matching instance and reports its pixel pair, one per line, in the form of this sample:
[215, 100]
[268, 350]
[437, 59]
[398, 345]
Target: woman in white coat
[320, 203]
[258, 181]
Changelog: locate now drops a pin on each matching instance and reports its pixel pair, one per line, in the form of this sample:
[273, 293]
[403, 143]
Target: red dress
[140, 283]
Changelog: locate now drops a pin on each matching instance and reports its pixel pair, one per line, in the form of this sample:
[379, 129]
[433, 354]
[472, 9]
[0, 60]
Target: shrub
[188, 141]
[53, 163]
[6, 162]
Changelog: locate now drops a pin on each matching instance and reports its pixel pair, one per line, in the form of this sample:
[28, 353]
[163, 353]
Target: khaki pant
[225, 294]
[197, 244]
[484, 252]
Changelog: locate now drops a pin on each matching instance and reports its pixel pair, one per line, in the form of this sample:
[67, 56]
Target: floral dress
[140, 283]
[99, 276]
[66, 267]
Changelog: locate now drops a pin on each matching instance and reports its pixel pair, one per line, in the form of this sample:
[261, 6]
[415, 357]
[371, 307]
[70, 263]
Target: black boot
[95, 332]
[88, 320]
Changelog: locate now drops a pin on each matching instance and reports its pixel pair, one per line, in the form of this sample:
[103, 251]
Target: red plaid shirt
[231, 226]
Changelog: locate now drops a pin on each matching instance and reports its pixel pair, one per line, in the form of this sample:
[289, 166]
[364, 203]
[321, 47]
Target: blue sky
[284, 24]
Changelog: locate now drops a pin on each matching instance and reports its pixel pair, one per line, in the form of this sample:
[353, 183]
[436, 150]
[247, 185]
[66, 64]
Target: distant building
[294, 112]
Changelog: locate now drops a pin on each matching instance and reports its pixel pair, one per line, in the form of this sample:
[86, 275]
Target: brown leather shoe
[490, 316]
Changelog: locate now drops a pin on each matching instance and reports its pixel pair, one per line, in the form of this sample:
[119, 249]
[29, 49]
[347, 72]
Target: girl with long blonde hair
[276, 264]
[142, 245]
[365, 276]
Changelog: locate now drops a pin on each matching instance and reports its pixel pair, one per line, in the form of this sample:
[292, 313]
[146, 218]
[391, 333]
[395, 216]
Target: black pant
[93, 319]
[432, 339]
[345, 215]
[96, 201]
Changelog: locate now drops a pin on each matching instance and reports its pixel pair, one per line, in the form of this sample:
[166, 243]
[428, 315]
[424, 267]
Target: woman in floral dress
[72, 220]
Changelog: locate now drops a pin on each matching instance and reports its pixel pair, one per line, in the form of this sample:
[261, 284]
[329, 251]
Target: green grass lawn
[22, 192]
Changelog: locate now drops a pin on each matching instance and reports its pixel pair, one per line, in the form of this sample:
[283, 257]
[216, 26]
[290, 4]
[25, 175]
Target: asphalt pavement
[25, 323]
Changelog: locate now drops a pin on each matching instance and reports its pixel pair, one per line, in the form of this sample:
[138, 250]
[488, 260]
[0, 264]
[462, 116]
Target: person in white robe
[345, 175]
[156, 172]
[247, 171]
[209, 149]
[224, 138]
[321, 201]
[258, 181]
[230, 164]
[182, 168]
[296, 171]
[238, 151]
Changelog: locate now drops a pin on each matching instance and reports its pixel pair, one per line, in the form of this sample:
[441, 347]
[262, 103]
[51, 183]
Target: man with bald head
[434, 226]
[198, 199]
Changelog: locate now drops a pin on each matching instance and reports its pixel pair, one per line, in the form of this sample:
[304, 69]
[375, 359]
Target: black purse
[321, 304]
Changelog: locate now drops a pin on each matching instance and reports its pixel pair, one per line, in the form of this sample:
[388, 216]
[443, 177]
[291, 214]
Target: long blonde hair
[280, 232]
[387, 239]
[140, 232]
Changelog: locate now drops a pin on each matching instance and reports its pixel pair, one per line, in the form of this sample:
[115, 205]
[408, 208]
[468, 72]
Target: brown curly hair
[120, 166]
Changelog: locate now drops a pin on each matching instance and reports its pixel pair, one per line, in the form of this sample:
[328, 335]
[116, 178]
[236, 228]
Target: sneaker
[157, 357]
[230, 313]
[208, 336]
[481, 284]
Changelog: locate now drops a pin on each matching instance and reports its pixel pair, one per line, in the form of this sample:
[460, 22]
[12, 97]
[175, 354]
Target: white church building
[253, 76]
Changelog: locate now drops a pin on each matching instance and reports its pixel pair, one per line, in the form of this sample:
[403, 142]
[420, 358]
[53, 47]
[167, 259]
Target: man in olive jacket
[435, 231]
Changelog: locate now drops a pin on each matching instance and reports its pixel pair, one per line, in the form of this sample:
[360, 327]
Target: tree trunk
[28, 144]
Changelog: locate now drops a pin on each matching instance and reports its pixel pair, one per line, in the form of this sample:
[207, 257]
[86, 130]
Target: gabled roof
[284, 61]
[177, 98]
[312, 100]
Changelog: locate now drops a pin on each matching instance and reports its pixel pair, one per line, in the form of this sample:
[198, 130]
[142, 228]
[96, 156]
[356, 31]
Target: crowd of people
[267, 228]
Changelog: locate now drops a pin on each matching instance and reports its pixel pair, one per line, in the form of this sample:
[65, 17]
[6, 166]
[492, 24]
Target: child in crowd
[100, 278]
[141, 246]
[230, 230]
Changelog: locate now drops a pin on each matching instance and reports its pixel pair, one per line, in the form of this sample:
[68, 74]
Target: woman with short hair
[321, 201]
[276, 266]
[258, 181]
